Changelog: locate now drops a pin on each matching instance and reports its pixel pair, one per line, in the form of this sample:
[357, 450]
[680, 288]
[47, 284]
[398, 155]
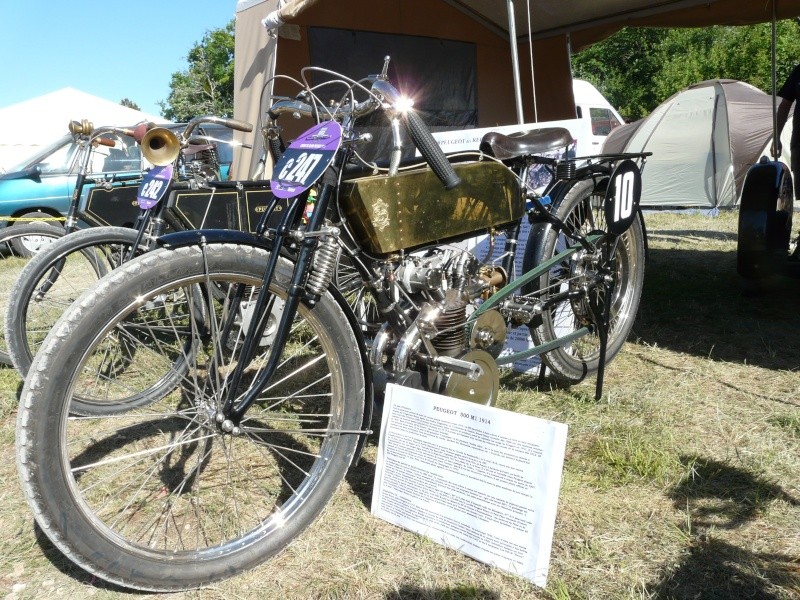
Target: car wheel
[29, 245]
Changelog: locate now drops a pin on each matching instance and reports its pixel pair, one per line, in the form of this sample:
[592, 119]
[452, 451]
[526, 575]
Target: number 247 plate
[306, 159]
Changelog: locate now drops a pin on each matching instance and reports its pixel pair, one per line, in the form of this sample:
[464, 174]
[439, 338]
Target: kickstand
[601, 316]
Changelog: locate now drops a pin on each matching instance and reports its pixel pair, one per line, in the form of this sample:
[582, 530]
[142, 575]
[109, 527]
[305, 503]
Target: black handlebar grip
[431, 151]
[238, 125]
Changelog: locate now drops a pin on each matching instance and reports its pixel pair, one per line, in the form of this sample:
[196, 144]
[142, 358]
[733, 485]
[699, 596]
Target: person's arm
[782, 116]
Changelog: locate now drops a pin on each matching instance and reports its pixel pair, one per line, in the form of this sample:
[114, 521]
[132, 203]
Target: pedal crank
[481, 389]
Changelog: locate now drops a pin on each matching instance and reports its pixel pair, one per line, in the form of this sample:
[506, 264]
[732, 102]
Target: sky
[114, 49]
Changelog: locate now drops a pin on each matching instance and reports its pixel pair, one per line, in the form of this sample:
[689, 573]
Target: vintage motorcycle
[19, 244]
[152, 204]
[271, 376]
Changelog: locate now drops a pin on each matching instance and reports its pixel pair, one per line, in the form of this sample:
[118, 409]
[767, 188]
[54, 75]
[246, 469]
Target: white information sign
[477, 479]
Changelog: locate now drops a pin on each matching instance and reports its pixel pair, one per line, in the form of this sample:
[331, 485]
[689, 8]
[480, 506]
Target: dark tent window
[440, 75]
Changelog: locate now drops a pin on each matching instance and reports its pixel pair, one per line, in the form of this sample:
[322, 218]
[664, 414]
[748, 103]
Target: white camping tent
[703, 140]
[28, 125]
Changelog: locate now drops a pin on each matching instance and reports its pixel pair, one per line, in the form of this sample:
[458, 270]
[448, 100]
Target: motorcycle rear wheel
[53, 279]
[13, 261]
[164, 497]
[581, 209]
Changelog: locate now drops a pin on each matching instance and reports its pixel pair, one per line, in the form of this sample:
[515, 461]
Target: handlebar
[382, 94]
[290, 105]
[420, 134]
[93, 136]
[230, 123]
[431, 151]
[86, 128]
[305, 109]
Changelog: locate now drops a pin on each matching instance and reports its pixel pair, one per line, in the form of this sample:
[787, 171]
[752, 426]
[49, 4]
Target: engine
[442, 351]
[202, 163]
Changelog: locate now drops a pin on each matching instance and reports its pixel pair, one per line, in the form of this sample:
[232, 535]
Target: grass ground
[682, 482]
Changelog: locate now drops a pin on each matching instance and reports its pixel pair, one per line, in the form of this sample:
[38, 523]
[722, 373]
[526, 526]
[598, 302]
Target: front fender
[194, 237]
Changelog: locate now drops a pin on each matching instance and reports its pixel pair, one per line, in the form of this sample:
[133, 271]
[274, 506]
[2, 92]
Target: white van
[596, 119]
[592, 106]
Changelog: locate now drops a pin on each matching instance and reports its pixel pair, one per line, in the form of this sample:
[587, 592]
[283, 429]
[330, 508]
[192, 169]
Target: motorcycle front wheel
[164, 496]
[581, 209]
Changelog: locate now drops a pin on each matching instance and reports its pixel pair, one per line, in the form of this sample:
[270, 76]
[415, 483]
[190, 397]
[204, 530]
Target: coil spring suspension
[326, 258]
[566, 169]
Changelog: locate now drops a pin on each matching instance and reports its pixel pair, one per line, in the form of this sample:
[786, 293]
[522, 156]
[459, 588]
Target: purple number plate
[154, 186]
[306, 159]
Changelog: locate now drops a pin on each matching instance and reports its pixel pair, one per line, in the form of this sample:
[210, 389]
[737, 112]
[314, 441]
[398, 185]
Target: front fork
[235, 407]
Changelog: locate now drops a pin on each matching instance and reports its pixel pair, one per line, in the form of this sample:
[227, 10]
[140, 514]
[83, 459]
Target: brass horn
[82, 127]
[160, 146]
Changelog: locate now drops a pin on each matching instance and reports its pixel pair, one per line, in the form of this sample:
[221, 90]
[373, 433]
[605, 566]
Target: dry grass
[682, 482]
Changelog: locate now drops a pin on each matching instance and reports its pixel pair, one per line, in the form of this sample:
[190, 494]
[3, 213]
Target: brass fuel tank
[412, 209]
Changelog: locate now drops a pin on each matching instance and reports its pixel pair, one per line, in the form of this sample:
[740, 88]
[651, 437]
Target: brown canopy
[557, 27]
[596, 19]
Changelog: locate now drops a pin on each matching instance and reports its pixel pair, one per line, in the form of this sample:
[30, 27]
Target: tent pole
[533, 69]
[717, 93]
[512, 34]
[774, 80]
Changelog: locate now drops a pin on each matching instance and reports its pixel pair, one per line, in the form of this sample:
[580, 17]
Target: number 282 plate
[154, 186]
[306, 159]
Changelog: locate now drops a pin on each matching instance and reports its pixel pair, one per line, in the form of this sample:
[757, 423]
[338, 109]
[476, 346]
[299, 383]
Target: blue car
[40, 188]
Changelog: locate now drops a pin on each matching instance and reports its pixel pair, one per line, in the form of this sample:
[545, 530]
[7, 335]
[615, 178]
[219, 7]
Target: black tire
[581, 209]
[12, 263]
[765, 223]
[160, 498]
[53, 279]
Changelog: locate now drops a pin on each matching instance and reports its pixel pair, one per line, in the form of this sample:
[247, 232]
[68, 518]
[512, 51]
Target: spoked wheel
[28, 237]
[53, 279]
[366, 310]
[168, 496]
[581, 209]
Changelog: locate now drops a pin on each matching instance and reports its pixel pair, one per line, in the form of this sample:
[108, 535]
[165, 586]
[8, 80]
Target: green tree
[206, 87]
[129, 103]
[624, 67]
[743, 53]
[637, 69]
